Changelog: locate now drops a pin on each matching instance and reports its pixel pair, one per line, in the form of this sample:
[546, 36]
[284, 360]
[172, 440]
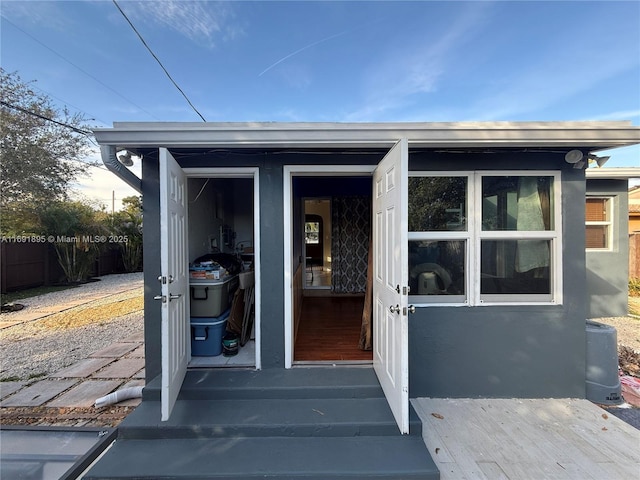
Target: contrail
[301, 50]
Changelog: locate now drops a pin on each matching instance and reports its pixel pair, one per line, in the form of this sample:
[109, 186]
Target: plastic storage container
[603, 380]
[209, 298]
[206, 335]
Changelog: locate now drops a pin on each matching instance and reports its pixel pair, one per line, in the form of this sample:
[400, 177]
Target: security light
[124, 158]
[573, 156]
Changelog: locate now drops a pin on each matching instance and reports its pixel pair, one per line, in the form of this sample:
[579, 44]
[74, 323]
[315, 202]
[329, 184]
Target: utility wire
[34, 114]
[83, 71]
[157, 60]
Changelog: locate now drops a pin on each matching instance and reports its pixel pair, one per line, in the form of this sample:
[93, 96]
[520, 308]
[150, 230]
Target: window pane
[437, 204]
[312, 232]
[596, 236]
[517, 203]
[437, 267]
[515, 266]
[597, 210]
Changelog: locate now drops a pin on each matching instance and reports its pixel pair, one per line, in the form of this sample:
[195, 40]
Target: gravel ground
[105, 285]
[627, 330]
[37, 348]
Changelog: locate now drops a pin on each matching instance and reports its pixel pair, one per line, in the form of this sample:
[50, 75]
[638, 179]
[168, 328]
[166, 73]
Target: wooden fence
[26, 265]
[634, 255]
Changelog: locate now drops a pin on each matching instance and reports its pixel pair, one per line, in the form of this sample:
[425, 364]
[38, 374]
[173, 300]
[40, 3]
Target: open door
[176, 344]
[390, 280]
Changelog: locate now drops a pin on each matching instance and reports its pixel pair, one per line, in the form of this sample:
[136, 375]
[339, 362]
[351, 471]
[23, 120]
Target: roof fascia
[612, 173]
[596, 135]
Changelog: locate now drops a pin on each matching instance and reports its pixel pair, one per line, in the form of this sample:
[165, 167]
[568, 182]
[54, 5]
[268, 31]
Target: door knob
[162, 298]
[174, 296]
[395, 309]
[412, 309]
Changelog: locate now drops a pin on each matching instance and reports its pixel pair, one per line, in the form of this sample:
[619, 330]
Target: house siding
[608, 271]
[493, 351]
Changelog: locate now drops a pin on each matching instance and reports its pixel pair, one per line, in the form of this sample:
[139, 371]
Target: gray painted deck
[311, 423]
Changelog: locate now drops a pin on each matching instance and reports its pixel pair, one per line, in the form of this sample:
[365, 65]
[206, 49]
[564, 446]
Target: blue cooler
[207, 333]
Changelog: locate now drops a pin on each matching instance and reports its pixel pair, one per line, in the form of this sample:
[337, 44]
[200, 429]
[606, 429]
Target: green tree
[42, 150]
[75, 231]
[126, 226]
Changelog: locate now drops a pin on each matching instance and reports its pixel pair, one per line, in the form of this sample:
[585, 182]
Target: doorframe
[254, 173]
[290, 171]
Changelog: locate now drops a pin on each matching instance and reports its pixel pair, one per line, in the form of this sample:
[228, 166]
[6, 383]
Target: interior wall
[204, 201]
[213, 203]
[243, 212]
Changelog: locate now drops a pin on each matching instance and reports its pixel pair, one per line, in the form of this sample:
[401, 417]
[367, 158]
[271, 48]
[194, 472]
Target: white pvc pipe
[119, 396]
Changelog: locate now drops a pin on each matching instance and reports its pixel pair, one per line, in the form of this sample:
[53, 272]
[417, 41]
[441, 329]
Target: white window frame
[453, 235]
[607, 223]
[474, 235]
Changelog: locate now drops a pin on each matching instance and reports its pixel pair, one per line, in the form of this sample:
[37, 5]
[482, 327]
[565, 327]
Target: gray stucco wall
[524, 351]
[507, 351]
[151, 266]
[608, 271]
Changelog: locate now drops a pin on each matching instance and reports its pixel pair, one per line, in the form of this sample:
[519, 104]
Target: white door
[390, 280]
[176, 338]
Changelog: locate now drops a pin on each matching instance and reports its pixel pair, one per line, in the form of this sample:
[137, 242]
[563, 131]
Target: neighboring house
[485, 222]
[608, 212]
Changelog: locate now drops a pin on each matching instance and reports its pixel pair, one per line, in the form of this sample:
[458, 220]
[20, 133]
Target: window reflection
[437, 267]
[437, 204]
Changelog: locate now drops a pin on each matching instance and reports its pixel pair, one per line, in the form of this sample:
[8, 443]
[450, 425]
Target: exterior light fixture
[573, 156]
[600, 161]
[124, 158]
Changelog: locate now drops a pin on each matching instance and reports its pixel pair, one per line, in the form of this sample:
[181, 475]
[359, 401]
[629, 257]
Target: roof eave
[589, 135]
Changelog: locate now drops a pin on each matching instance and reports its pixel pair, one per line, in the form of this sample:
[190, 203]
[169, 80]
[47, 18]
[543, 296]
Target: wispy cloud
[574, 63]
[206, 23]
[417, 68]
[50, 14]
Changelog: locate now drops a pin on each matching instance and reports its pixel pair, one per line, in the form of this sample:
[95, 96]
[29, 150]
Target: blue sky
[332, 61]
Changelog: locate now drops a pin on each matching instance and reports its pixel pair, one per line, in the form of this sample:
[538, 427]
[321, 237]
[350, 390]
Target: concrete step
[337, 417]
[308, 458]
[314, 382]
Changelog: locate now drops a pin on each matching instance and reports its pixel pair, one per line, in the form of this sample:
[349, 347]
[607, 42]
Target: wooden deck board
[524, 439]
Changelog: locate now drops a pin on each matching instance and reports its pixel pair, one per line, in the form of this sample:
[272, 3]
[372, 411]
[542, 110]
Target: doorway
[222, 224]
[327, 292]
[317, 243]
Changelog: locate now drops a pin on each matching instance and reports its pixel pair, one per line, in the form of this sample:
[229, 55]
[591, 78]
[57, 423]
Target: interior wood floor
[329, 330]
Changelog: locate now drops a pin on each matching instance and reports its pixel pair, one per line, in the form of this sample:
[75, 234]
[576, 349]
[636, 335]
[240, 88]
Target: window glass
[596, 210]
[312, 233]
[437, 204]
[517, 203]
[597, 236]
[515, 266]
[437, 267]
[598, 220]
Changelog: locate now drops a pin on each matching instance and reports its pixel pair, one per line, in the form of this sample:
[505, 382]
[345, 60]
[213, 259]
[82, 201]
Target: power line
[157, 60]
[79, 68]
[42, 117]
